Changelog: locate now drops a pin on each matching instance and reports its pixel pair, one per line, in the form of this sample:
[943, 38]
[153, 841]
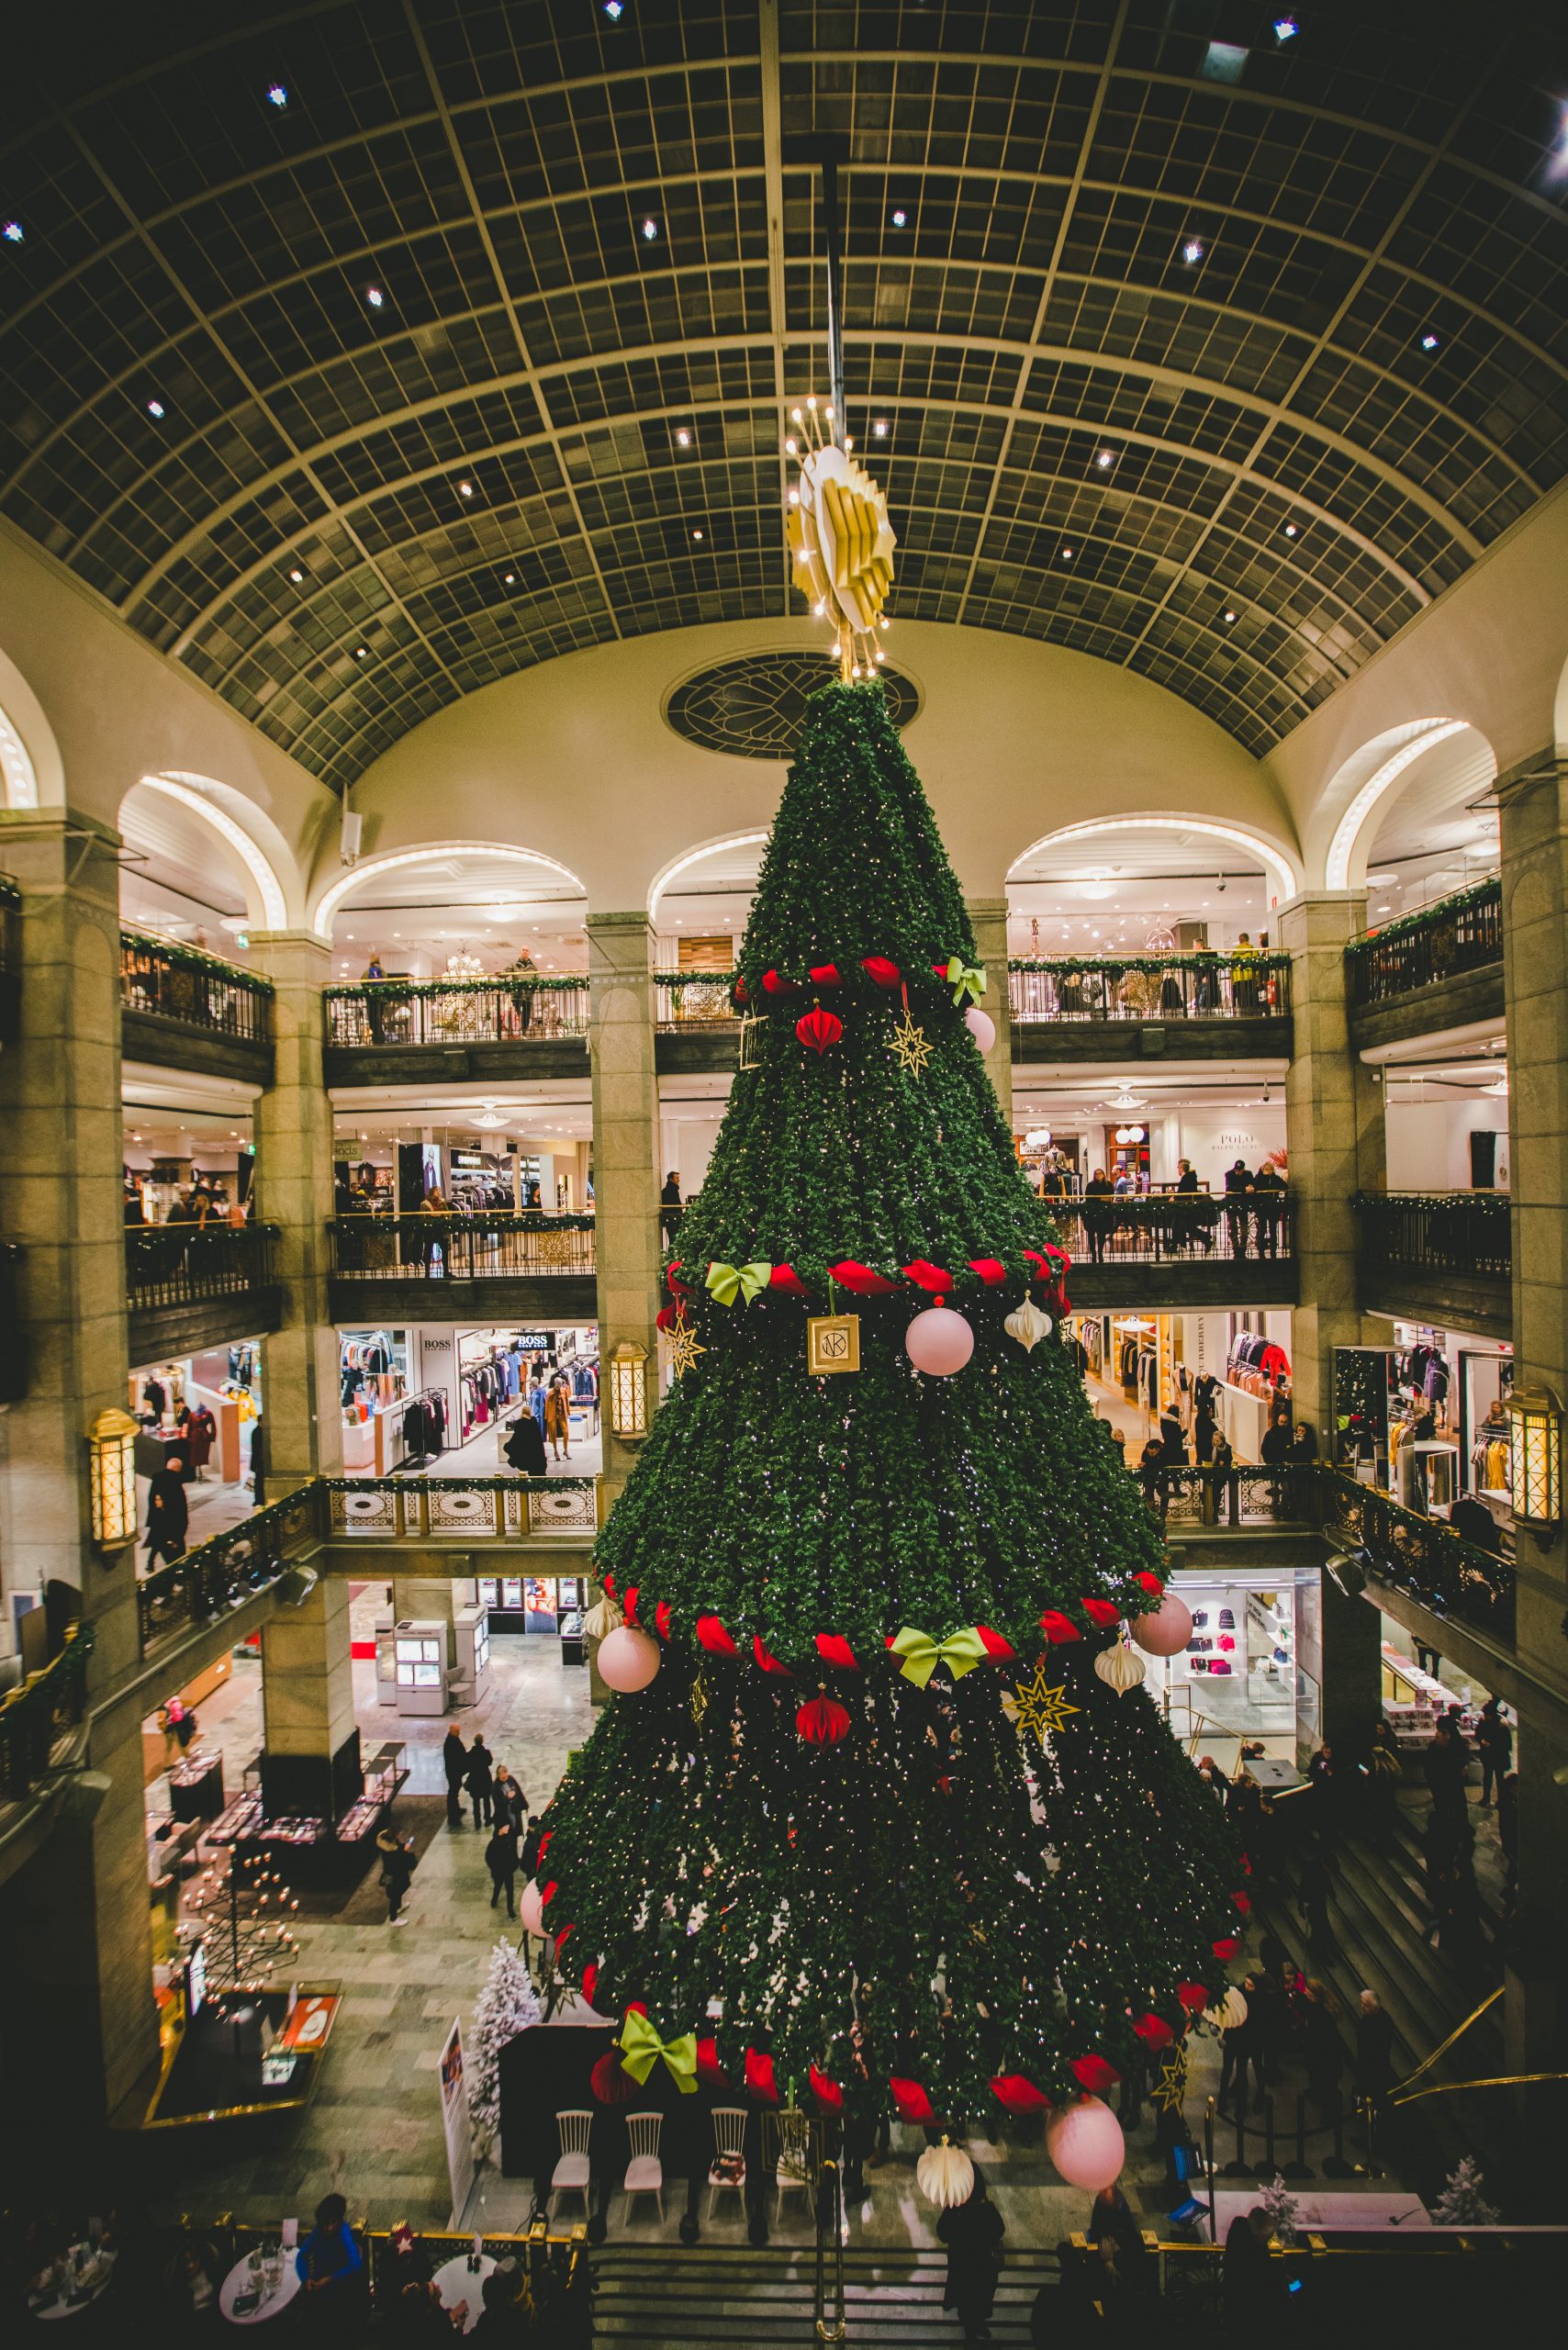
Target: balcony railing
[1238, 1496]
[221, 1574]
[198, 990]
[1133, 988]
[481, 1247]
[684, 1000]
[1419, 1555]
[1461, 934]
[190, 1264]
[1466, 1233]
[475, 1509]
[35, 1717]
[388, 1015]
[1178, 1227]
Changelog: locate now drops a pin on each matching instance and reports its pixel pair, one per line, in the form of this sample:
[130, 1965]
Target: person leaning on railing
[523, 972]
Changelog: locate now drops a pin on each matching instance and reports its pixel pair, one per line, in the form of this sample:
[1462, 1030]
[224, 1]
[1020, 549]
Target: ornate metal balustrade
[383, 1015]
[165, 981]
[34, 1718]
[1397, 1547]
[694, 999]
[1136, 988]
[484, 1246]
[1461, 934]
[476, 1509]
[220, 1574]
[1178, 1227]
[1466, 1233]
[191, 1264]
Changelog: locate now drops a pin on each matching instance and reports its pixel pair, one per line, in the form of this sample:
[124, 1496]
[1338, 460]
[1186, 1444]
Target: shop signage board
[455, 2121]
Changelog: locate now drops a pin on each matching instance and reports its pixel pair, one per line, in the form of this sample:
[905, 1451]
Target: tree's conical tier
[941, 1896]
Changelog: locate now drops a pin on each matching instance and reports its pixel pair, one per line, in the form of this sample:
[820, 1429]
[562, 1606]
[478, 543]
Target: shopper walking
[501, 1859]
[558, 1417]
[670, 1205]
[509, 1799]
[973, 2232]
[397, 1871]
[1237, 1185]
[477, 1779]
[524, 1447]
[454, 1763]
[1096, 1217]
[168, 1511]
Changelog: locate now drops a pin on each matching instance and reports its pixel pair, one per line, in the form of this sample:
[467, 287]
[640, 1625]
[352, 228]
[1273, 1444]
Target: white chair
[794, 2171]
[571, 2176]
[644, 2172]
[728, 2166]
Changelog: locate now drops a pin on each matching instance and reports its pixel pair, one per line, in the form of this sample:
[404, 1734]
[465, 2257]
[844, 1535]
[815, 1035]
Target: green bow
[961, 1652]
[966, 979]
[641, 2049]
[744, 1281]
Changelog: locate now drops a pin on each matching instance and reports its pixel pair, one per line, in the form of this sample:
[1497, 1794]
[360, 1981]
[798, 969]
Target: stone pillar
[302, 1432]
[84, 1912]
[1535, 940]
[1334, 1126]
[307, 1673]
[988, 918]
[625, 1164]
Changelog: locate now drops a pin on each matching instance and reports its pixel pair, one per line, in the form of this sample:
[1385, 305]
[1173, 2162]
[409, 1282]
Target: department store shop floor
[374, 2130]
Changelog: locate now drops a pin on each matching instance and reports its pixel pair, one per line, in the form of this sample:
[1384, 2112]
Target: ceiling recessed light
[374, 297]
[277, 95]
[615, 10]
[155, 409]
[1428, 340]
[13, 233]
[1066, 555]
[296, 575]
[900, 217]
[510, 579]
[1229, 616]
[650, 231]
[1285, 28]
[697, 535]
[880, 428]
[1290, 529]
[1105, 459]
[362, 652]
[1193, 252]
[683, 438]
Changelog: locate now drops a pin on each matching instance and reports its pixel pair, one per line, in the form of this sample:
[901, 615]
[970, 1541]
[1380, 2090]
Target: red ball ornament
[823, 1721]
[819, 1029]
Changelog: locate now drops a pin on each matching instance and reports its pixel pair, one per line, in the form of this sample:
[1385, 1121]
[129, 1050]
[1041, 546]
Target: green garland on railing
[1193, 1210]
[694, 979]
[193, 959]
[1441, 909]
[1208, 958]
[517, 1482]
[503, 982]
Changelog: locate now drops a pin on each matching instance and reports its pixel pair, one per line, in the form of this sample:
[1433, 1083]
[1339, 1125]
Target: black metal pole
[1300, 2167]
[835, 293]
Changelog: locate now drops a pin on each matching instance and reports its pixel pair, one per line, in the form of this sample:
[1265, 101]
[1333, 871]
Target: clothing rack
[426, 1412]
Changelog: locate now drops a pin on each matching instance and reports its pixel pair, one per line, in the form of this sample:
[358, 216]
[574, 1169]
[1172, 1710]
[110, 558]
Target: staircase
[663, 2294]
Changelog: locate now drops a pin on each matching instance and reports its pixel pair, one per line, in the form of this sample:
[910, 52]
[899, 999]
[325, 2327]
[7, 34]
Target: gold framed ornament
[833, 1343]
[749, 1057]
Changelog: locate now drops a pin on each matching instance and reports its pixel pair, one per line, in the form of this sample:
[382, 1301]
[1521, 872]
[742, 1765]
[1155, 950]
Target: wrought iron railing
[1178, 1227]
[486, 1245]
[1236, 986]
[1237, 1496]
[1461, 934]
[474, 1509]
[34, 1718]
[1438, 1232]
[383, 1015]
[1420, 1555]
[187, 1264]
[198, 990]
[688, 999]
[230, 1568]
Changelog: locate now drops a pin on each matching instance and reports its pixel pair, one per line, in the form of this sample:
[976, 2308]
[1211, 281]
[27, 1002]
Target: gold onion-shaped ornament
[603, 1619]
[1028, 1325]
[1119, 1667]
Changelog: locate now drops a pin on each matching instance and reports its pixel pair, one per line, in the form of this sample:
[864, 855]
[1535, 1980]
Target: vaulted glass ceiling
[364, 353]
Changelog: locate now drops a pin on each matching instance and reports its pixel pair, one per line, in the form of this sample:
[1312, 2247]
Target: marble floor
[374, 2128]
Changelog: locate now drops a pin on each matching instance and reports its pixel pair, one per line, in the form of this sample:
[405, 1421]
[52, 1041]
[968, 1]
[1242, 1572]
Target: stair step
[664, 2296]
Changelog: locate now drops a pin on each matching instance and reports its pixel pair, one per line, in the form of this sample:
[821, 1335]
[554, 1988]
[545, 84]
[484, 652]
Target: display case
[471, 1637]
[420, 1652]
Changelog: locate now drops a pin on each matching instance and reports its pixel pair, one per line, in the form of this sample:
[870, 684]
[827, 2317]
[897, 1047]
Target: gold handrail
[1443, 2047]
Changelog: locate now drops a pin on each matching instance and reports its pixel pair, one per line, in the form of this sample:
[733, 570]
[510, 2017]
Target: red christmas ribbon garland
[863, 1281]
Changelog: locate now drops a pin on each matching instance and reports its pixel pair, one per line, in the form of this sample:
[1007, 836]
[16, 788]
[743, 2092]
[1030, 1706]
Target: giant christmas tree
[877, 1814]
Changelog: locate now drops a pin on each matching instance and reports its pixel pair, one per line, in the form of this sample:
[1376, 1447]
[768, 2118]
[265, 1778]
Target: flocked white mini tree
[507, 2005]
[1461, 2203]
[1284, 2211]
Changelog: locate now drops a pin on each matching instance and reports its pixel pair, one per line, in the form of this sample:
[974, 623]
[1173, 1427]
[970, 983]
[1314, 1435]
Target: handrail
[164, 980]
[399, 1016]
[32, 1716]
[486, 1245]
[1161, 1227]
[229, 1568]
[695, 1000]
[1461, 934]
[1240, 984]
[187, 1263]
[1443, 1232]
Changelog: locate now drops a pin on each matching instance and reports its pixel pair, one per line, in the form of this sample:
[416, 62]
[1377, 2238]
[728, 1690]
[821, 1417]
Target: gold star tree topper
[840, 540]
[1037, 1709]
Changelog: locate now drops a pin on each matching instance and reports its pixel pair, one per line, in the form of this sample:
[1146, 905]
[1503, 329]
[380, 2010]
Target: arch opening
[1408, 826]
[455, 908]
[700, 903]
[191, 871]
[1143, 883]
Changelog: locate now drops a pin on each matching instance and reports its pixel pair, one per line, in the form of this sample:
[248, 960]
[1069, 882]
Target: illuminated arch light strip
[695, 857]
[275, 906]
[17, 769]
[1273, 861]
[327, 906]
[1337, 873]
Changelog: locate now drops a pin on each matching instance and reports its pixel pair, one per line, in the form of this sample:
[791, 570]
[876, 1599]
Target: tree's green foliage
[936, 1897]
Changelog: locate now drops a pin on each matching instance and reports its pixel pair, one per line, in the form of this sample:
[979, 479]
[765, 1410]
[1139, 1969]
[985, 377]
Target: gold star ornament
[1037, 1709]
[1172, 2087]
[909, 1047]
[684, 1349]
